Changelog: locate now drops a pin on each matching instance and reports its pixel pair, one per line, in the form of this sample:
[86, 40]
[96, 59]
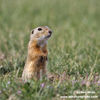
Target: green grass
[74, 48]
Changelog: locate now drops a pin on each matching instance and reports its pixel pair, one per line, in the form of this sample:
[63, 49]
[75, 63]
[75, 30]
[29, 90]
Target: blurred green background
[74, 45]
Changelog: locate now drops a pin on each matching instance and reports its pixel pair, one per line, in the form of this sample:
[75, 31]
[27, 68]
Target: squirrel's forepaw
[44, 58]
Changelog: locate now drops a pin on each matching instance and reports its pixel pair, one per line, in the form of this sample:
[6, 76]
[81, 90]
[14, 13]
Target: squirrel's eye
[39, 29]
[32, 32]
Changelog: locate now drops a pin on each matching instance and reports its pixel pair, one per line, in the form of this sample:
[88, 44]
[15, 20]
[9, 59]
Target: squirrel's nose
[50, 32]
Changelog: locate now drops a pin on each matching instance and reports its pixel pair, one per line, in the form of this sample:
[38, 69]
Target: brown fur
[37, 54]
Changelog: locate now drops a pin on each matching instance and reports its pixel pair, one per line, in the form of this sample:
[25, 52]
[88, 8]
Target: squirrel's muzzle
[50, 33]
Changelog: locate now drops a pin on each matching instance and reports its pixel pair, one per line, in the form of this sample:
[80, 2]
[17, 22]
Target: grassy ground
[74, 48]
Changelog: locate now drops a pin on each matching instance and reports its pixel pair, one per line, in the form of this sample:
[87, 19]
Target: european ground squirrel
[37, 53]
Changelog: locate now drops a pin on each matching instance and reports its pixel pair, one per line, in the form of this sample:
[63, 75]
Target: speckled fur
[37, 54]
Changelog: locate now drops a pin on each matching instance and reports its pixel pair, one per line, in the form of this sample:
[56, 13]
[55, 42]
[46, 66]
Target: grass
[74, 48]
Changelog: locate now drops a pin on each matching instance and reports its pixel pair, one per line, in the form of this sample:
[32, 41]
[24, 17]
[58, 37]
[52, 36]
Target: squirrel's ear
[32, 32]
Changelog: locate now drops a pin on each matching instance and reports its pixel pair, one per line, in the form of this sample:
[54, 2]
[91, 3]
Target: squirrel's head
[41, 34]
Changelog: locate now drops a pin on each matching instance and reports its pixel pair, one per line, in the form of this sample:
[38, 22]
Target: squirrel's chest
[41, 48]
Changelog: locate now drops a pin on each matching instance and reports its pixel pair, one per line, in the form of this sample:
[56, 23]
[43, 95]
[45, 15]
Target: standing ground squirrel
[37, 53]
